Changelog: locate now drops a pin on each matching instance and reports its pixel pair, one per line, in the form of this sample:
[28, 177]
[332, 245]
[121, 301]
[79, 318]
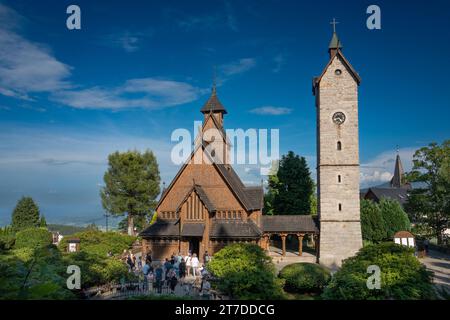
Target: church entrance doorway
[194, 246]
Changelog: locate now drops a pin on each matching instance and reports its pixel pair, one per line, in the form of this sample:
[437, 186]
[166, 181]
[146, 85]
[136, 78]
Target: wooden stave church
[206, 206]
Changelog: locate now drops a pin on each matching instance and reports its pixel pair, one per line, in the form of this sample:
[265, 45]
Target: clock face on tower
[339, 118]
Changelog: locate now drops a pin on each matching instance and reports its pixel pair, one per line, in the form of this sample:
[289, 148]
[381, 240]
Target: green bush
[100, 243]
[304, 277]
[244, 271]
[33, 238]
[403, 277]
[7, 238]
[33, 273]
[96, 267]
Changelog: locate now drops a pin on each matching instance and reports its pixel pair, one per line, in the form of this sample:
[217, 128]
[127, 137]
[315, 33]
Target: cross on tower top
[214, 79]
[334, 23]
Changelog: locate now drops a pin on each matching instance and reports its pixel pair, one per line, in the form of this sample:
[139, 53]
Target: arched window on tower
[339, 146]
[339, 178]
[340, 206]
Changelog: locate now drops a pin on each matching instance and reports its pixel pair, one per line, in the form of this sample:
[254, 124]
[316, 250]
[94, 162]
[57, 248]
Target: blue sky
[137, 70]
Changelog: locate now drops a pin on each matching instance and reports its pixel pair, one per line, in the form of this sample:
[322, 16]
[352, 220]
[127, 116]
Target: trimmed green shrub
[305, 277]
[244, 271]
[403, 277]
[33, 238]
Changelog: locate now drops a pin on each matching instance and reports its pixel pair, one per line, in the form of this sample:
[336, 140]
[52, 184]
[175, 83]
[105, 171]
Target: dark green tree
[394, 217]
[43, 222]
[25, 214]
[131, 185]
[430, 204]
[293, 187]
[270, 195]
[372, 223]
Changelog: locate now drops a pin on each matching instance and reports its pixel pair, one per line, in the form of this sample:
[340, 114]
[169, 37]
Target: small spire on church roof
[213, 104]
[398, 180]
[335, 43]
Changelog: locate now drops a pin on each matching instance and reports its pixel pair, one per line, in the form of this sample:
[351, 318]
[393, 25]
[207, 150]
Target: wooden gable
[205, 174]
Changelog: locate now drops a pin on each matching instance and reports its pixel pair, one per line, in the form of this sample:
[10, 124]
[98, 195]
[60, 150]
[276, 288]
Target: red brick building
[207, 206]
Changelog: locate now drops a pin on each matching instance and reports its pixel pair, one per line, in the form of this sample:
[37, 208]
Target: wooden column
[316, 246]
[266, 242]
[300, 244]
[283, 243]
[144, 248]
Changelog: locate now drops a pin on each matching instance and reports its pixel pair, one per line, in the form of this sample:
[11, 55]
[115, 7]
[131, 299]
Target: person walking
[158, 278]
[139, 263]
[172, 280]
[167, 267]
[206, 257]
[129, 263]
[204, 288]
[188, 264]
[194, 264]
[148, 258]
[182, 269]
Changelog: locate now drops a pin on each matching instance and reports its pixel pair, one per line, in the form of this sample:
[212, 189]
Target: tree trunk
[130, 225]
[439, 238]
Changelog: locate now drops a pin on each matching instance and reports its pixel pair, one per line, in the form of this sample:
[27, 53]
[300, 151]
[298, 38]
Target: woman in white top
[188, 260]
[194, 264]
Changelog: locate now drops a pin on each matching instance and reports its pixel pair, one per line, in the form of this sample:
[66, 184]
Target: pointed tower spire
[335, 43]
[213, 105]
[398, 180]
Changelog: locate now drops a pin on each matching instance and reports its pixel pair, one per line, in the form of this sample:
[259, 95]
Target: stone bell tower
[336, 92]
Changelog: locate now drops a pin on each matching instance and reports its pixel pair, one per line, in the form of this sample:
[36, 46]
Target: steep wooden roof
[249, 197]
[213, 104]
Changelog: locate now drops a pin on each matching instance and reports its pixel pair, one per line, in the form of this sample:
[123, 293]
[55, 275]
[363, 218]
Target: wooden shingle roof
[161, 228]
[234, 229]
[289, 223]
[192, 229]
[213, 104]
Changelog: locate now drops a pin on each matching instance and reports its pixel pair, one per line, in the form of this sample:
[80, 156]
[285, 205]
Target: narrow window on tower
[339, 178]
[340, 206]
[339, 145]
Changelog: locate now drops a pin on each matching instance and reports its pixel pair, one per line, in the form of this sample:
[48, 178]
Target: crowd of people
[173, 271]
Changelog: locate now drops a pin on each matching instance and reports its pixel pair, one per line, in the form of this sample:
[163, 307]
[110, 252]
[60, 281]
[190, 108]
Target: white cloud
[237, 67]
[149, 93]
[271, 110]
[26, 67]
[381, 168]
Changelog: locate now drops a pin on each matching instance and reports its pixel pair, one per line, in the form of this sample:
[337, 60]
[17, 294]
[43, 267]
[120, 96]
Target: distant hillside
[65, 230]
